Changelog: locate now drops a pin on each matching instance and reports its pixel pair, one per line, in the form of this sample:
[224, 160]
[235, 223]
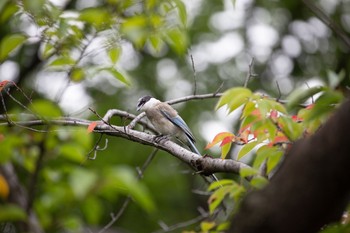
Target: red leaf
[274, 114]
[310, 106]
[3, 84]
[279, 139]
[243, 137]
[226, 140]
[296, 118]
[256, 112]
[218, 138]
[92, 126]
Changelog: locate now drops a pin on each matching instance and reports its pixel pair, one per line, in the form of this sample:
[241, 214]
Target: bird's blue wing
[179, 122]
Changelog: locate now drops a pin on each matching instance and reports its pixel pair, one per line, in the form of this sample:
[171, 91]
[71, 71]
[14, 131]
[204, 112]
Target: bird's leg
[160, 137]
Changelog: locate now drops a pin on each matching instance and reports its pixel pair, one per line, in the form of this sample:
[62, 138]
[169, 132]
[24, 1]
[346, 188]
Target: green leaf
[339, 227]
[98, 17]
[225, 149]
[248, 171]
[156, 43]
[117, 75]
[114, 54]
[219, 184]
[249, 107]
[71, 223]
[324, 105]
[259, 182]
[264, 107]
[290, 128]
[206, 226]
[217, 197]
[62, 61]
[234, 98]
[135, 28]
[270, 154]
[334, 79]
[72, 152]
[81, 182]
[273, 160]
[10, 43]
[123, 179]
[300, 95]
[182, 11]
[48, 50]
[7, 10]
[77, 74]
[11, 212]
[2, 4]
[177, 40]
[45, 108]
[261, 155]
[8, 144]
[81, 138]
[246, 148]
[223, 227]
[92, 203]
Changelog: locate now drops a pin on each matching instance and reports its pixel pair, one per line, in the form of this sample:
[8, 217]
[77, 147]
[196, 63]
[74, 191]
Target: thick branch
[206, 165]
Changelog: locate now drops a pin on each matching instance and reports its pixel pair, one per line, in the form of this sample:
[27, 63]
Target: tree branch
[205, 165]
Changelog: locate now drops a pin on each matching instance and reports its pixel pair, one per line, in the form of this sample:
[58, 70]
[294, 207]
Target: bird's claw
[159, 138]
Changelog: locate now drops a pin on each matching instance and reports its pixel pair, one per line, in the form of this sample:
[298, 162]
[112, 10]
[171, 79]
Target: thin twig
[279, 91]
[326, 20]
[95, 148]
[69, 72]
[219, 88]
[194, 76]
[183, 224]
[250, 73]
[101, 119]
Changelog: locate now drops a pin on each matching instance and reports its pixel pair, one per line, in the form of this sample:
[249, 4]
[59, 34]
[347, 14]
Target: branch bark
[310, 190]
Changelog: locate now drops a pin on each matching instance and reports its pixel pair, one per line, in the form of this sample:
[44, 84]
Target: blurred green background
[67, 56]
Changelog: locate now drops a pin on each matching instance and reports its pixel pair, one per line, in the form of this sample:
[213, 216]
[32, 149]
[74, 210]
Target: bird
[167, 122]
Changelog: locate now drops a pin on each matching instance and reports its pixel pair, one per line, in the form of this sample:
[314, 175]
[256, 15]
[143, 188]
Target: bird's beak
[138, 108]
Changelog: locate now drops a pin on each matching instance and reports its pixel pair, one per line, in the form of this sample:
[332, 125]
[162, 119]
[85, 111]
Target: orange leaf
[92, 126]
[4, 188]
[218, 138]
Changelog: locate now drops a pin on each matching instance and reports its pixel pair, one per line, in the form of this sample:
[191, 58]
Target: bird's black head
[142, 101]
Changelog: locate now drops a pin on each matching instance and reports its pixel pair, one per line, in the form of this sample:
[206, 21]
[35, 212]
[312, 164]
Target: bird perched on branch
[167, 121]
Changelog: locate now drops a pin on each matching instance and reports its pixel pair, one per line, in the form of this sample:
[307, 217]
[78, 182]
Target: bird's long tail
[194, 149]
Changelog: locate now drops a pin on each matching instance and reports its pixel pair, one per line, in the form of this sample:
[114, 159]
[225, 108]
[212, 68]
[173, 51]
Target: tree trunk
[310, 190]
